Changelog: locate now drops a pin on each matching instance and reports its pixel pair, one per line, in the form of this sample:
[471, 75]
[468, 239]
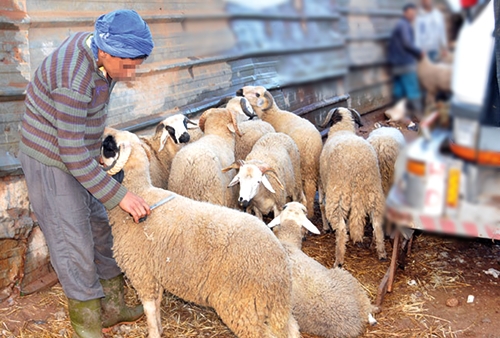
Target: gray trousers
[76, 228]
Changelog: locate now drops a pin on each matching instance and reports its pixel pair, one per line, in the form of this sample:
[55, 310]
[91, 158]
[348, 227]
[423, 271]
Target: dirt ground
[429, 299]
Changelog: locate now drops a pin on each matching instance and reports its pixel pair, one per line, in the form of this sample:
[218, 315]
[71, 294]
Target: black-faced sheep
[350, 184]
[196, 170]
[326, 302]
[303, 132]
[162, 146]
[203, 253]
[269, 176]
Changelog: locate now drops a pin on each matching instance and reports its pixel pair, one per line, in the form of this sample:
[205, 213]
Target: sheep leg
[158, 308]
[258, 214]
[276, 210]
[154, 324]
[322, 208]
[341, 234]
[378, 234]
[310, 191]
[293, 328]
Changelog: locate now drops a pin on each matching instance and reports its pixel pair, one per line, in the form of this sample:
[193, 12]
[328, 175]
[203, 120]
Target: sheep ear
[231, 128]
[276, 221]
[267, 184]
[356, 116]
[193, 125]
[235, 181]
[234, 165]
[163, 139]
[309, 226]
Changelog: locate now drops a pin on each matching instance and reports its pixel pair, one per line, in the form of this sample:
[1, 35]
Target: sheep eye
[257, 94]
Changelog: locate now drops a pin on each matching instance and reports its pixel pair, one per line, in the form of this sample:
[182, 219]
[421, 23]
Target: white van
[450, 182]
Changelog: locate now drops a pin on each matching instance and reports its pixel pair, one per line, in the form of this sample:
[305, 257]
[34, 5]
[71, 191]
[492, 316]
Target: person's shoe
[114, 310]
[85, 317]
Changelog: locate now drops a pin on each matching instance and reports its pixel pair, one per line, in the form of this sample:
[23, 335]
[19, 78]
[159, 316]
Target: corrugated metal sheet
[204, 50]
[368, 24]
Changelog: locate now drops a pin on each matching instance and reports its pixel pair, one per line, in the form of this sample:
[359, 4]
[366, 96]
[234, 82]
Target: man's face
[118, 68]
[410, 14]
[426, 4]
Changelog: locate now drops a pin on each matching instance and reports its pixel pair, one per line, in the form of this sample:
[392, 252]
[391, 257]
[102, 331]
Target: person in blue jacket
[403, 56]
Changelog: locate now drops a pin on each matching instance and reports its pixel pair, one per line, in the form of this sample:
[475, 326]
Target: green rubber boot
[85, 317]
[114, 310]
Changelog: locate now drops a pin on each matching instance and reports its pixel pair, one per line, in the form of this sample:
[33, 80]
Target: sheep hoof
[377, 125]
[383, 259]
[371, 319]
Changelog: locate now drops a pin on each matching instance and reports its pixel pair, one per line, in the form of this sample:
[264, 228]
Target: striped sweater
[66, 108]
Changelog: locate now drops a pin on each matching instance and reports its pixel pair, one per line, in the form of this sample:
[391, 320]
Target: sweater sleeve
[71, 114]
[408, 44]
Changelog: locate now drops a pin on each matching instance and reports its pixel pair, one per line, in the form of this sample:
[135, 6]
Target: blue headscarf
[122, 33]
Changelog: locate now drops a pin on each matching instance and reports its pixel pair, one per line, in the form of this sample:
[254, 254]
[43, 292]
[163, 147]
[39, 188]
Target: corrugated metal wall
[369, 24]
[204, 50]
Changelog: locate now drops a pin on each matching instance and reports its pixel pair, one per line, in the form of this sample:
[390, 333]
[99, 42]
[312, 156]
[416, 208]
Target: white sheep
[387, 143]
[251, 132]
[240, 106]
[329, 303]
[434, 78]
[350, 184]
[203, 253]
[269, 176]
[196, 170]
[162, 146]
[303, 132]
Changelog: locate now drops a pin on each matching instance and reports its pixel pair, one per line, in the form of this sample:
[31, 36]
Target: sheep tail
[357, 218]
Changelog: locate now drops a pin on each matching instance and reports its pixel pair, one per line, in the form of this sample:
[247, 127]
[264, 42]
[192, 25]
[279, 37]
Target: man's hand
[135, 206]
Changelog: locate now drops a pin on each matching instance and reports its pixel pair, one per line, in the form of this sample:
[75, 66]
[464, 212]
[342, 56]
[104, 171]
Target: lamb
[434, 78]
[329, 303]
[387, 143]
[164, 144]
[207, 254]
[350, 183]
[303, 132]
[275, 162]
[196, 170]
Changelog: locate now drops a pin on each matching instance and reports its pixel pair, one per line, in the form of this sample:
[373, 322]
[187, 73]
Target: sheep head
[175, 127]
[294, 218]
[258, 96]
[116, 151]
[340, 114]
[241, 107]
[221, 114]
[250, 176]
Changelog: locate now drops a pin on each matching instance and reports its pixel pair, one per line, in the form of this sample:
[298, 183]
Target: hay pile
[404, 314]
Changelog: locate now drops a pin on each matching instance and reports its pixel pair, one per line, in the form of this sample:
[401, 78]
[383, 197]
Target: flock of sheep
[249, 155]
